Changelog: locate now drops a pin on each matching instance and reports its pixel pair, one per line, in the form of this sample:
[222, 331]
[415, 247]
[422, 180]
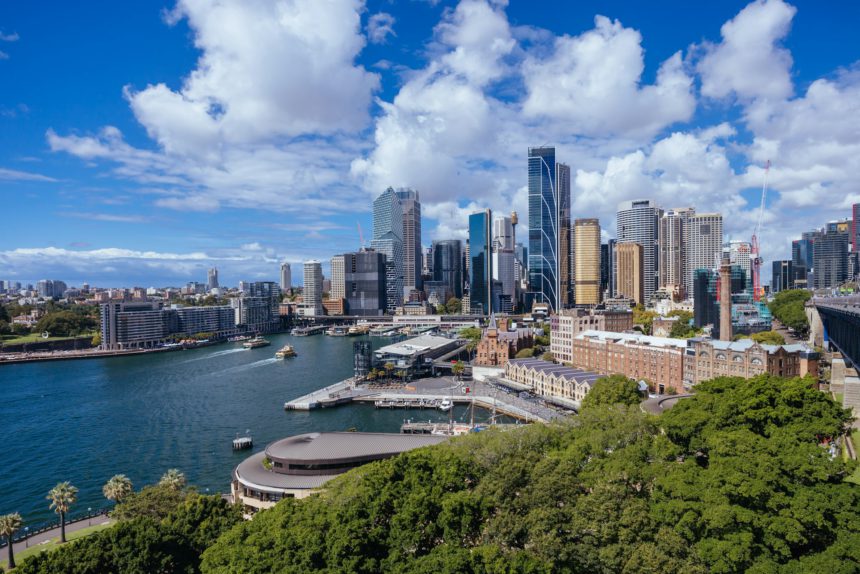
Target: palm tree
[388, 368]
[173, 479]
[62, 497]
[9, 525]
[117, 488]
[458, 369]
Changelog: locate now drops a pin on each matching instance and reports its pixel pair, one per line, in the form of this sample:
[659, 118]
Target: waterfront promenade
[436, 388]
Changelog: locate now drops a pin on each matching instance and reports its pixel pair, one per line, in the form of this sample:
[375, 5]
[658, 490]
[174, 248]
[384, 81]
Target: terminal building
[297, 466]
[415, 356]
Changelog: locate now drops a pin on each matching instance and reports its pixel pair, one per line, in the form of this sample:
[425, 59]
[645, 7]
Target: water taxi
[285, 352]
[256, 343]
[445, 405]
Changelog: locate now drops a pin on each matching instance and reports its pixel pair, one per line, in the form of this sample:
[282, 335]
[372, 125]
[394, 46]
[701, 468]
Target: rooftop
[339, 445]
[744, 344]
[580, 375]
[633, 338]
[414, 346]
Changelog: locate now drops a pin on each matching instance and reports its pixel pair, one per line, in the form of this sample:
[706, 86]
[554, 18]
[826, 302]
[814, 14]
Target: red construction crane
[755, 254]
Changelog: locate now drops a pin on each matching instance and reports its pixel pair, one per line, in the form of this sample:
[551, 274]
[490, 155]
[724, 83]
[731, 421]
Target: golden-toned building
[587, 260]
[629, 278]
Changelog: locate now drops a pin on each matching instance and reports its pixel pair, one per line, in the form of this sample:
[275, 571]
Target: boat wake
[213, 355]
[253, 365]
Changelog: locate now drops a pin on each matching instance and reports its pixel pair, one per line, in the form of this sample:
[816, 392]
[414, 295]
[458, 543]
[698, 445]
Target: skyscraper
[364, 280]
[637, 222]
[549, 264]
[448, 265]
[783, 276]
[212, 282]
[411, 208]
[388, 240]
[704, 242]
[504, 262]
[629, 276]
[338, 281]
[313, 288]
[830, 256]
[587, 243]
[286, 277]
[855, 227]
[480, 262]
[673, 250]
[739, 254]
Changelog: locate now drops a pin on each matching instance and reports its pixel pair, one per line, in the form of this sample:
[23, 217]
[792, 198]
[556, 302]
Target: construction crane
[755, 253]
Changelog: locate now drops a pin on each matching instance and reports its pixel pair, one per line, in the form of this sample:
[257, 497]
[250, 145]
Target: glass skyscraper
[388, 240]
[549, 247]
[638, 222]
[480, 262]
[411, 207]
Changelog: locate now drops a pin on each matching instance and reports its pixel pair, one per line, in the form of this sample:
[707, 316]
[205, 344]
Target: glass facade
[448, 265]
[480, 266]
[549, 245]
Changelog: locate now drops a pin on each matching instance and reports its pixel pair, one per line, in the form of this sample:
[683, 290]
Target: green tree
[441, 309]
[453, 306]
[173, 479]
[526, 353]
[548, 356]
[154, 502]
[643, 318]
[389, 367]
[117, 488]
[64, 323]
[97, 339]
[62, 497]
[9, 525]
[458, 369]
[768, 337]
[788, 308]
[612, 390]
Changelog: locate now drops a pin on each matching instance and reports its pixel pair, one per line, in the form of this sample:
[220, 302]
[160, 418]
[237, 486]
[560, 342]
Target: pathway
[48, 535]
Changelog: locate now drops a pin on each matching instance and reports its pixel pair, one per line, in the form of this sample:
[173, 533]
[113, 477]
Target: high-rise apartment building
[212, 279]
[549, 264]
[830, 256]
[286, 277]
[338, 280]
[630, 272]
[388, 240]
[480, 262]
[609, 268]
[801, 253]
[739, 254]
[411, 207]
[364, 280]
[587, 272]
[704, 242]
[448, 265]
[672, 242]
[312, 288]
[855, 227]
[504, 262]
[637, 222]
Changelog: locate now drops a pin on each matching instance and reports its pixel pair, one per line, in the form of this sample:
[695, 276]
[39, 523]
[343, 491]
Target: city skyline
[107, 190]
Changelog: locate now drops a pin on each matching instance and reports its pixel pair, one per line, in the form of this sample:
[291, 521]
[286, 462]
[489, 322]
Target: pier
[425, 393]
[307, 331]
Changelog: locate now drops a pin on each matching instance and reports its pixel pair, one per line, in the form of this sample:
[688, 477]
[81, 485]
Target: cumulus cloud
[379, 27]
[749, 61]
[591, 82]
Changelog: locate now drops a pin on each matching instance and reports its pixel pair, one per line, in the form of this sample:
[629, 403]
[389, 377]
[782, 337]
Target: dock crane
[755, 253]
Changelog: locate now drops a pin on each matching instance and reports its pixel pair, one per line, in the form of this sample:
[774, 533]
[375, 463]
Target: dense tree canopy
[765, 337]
[66, 323]
[788, 308]
[612, 390]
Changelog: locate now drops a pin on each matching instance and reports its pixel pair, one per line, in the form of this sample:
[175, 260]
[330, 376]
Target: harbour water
[84, 421]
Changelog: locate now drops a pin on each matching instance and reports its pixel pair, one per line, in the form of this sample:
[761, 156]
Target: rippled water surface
[84, 421]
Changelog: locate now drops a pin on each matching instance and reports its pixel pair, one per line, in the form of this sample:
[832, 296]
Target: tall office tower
[587, 242]
[480, 262]
[783, 276]
[672, 239]
[801, 253]
[855, 227]
[212, 279]
[830, 256]
[739, 254]
[611, 268]
[521, 269]
[549, 264]
[286, 277]
[467, 264]
[705, 305]
[725, 299]
[427, 262]
[338, 285]
[704, 242]
[312, 293]
[411, 207]
[364, 279]
[448, 265]
[637, 222]
[630, 274]
[504, 262]
[388, 240]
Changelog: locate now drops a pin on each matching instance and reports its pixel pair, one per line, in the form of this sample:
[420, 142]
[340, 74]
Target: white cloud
[749, 61]
[109, 217]
[16, 175]
[13, 37]
[379, 27]
[591, 82]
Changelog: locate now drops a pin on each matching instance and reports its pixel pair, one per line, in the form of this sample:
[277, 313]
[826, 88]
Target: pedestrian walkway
[47, 535]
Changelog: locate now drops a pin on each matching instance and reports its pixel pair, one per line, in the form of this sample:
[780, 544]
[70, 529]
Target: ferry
[285, 352]
[445, 405]
[239, 338]
[256, 343]
[355, 331]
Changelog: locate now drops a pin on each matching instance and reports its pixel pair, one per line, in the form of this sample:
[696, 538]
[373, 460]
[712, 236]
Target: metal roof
[414, 346]
[346, 445]
[570, 373]
[633, 338]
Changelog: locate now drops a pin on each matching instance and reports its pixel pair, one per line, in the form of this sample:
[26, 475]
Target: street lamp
[90, 512]
[26, 537]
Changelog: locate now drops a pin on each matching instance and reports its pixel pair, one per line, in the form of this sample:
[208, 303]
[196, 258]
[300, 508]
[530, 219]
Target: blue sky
[142, 143]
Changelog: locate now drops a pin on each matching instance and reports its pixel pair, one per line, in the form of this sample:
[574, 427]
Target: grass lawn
[36, 338]
[855, 439]
[53, 543]
[837, 397]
